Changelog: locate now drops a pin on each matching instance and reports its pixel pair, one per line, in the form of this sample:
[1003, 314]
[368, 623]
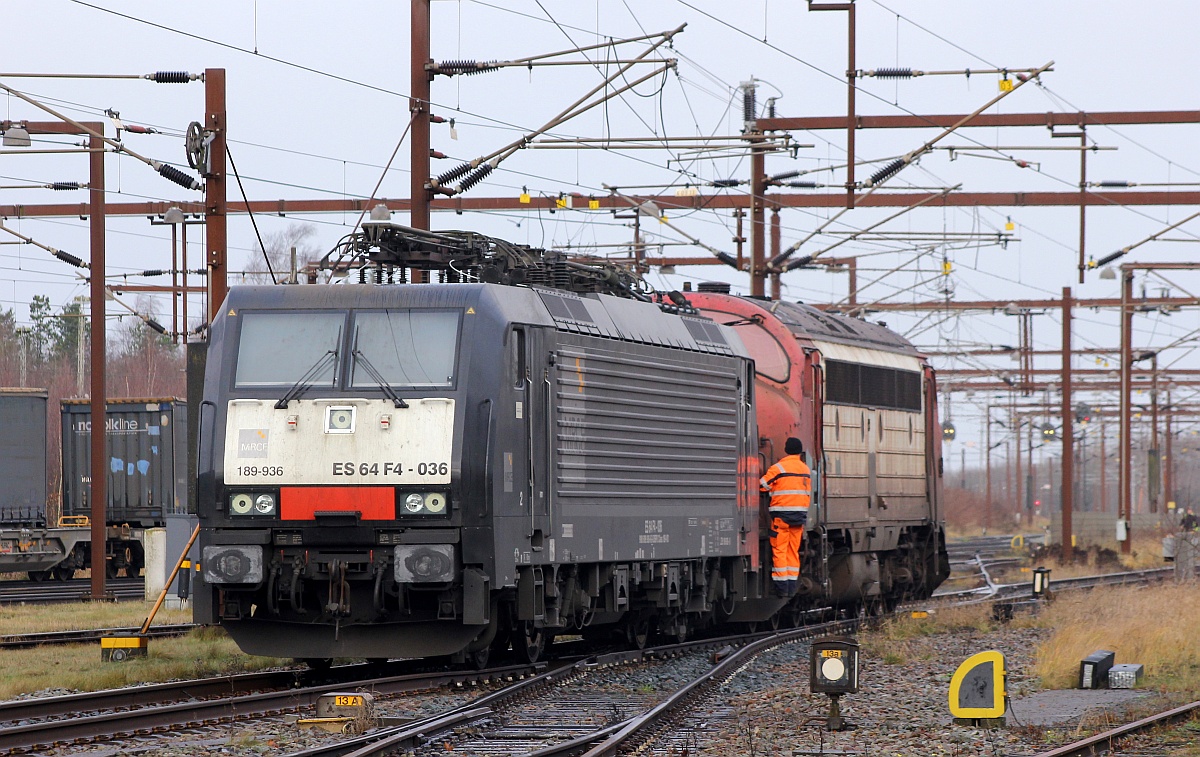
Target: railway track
[1106, 742]
[1004, 591]
[74, 590]
[585, 708]
[987, 546]
[129, 716]
[598, 705]
[36, 725]
[83, 636]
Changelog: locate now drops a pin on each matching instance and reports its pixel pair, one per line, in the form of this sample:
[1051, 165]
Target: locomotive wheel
[110, 569]
[37, 576]
[637, 632]
[529, 642]
[680, 630]
[775, 621]
[479, 660]
[319, 663]
[795, 616]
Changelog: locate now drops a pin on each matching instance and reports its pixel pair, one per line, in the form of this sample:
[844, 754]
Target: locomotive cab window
[281, 349]
[405, 348]
[518, 358]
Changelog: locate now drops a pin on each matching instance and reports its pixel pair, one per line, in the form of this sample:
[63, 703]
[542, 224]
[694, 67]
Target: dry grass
[1146, 552]
[18, 619]
[889, 641]
[1155, 626]
[78, 667]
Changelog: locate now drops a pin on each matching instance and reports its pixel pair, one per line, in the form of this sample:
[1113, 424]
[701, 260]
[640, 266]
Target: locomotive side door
[539, 436]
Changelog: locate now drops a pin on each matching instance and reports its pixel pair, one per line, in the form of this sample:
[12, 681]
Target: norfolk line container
[147, 459]
[22, 456]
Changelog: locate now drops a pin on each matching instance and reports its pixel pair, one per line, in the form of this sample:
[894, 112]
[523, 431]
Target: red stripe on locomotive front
[370, 502]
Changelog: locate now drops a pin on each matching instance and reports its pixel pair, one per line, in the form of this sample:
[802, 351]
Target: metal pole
[1154, 477]
[184, 264]
[758, 238]
[80, 365]
[216, 231]
[419, 82]
[740, 239]
[418, 104]
[1125, 504]
[1020, 502]
[852, 267]
[776, 244]
[851, 72]
[175, 293]
[1103, 477]
[1082, 199]
[1168, 460]
[1068, 434]
[99, 462]
[1008, 480]
[1030, 479]
[639, 252]
[987, 503]
[850, 113]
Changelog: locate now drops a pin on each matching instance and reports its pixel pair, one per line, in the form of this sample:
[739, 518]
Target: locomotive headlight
[339, 419]
[414, 503]
[435, 502]
[241, 504]
[264, 504]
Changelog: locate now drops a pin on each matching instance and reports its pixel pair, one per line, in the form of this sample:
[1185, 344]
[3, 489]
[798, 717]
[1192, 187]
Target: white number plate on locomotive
[387, 445]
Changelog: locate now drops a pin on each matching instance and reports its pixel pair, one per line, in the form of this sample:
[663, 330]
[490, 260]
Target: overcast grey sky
[327, 131]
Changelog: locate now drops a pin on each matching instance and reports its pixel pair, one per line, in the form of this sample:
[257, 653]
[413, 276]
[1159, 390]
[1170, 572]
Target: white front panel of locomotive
[339, 441]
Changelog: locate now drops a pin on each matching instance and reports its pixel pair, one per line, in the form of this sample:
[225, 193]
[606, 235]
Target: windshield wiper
[305, 381]
[377, 377]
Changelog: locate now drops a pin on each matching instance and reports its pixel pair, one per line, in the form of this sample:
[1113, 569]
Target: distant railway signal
[1083, 413]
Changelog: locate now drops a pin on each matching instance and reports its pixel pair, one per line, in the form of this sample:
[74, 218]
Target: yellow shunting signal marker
[593, 204]
[525, 199]
[947, 267]
[977, 687]
[920, 614]
[1006, 85]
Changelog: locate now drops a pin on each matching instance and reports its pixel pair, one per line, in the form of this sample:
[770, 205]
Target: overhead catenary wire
[250, 212]
[167, 171]
[65, 257]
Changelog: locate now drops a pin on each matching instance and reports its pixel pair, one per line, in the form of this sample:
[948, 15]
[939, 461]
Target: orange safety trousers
[785, 556]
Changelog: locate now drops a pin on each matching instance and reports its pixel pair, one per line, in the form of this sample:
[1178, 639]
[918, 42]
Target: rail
[1102, 743]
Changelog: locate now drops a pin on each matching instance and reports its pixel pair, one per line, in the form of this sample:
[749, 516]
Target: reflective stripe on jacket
[789, 482]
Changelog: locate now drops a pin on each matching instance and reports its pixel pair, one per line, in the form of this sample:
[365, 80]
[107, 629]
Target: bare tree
[279, 246]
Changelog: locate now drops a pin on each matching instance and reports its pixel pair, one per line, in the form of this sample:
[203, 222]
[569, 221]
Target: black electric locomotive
[532, 448]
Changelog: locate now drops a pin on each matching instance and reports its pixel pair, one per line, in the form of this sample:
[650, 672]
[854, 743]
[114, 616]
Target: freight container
[23, 456]
[147, 459]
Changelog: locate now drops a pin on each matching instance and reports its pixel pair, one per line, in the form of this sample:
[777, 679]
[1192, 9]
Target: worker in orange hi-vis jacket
[789, 482]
